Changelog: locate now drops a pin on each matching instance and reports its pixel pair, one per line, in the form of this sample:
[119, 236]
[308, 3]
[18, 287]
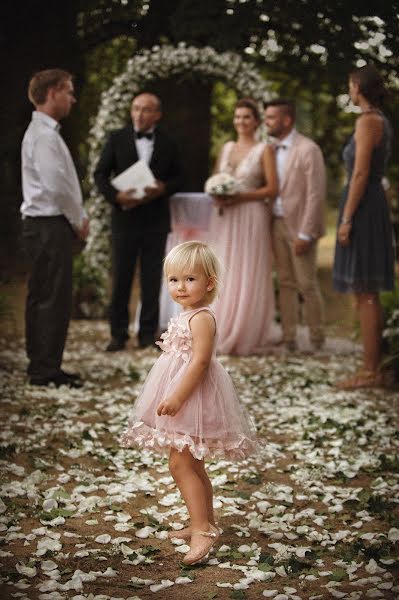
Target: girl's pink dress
[211, 423]
[241, 238]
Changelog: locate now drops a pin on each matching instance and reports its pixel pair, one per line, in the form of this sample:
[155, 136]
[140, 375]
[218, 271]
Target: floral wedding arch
[160, 62]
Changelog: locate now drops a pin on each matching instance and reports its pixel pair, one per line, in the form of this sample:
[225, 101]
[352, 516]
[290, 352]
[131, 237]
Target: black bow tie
[143, 134]
[281, 146]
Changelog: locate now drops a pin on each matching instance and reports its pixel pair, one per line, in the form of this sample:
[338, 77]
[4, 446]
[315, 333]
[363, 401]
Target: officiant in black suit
[139, 225]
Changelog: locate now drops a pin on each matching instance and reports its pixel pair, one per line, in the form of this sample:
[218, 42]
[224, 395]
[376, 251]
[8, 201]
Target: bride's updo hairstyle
[371, 85]
[191, 255]
[251, 104]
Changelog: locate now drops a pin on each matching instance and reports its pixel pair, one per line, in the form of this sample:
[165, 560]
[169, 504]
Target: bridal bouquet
[221, 184]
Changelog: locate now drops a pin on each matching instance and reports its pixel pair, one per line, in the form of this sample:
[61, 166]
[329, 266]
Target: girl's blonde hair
[190, 255]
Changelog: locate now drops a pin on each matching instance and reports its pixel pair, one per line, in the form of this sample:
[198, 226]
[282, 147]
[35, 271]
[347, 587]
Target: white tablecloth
[190, 215]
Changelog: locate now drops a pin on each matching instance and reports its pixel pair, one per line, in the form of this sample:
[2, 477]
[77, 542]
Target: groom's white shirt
[50, 183]
[145, 147]
[282, 150]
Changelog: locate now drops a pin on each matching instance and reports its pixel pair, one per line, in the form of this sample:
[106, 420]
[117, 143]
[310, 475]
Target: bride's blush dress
[245, 307]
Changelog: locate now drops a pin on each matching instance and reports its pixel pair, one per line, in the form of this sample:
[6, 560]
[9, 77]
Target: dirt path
[314, 515]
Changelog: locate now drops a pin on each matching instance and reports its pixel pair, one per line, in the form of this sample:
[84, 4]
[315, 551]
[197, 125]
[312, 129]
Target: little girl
[188, 404]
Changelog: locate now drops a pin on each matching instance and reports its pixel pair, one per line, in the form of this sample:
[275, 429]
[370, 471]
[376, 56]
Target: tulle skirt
[211, 423]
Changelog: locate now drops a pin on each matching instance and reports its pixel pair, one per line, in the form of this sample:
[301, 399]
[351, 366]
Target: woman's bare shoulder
[372, 119]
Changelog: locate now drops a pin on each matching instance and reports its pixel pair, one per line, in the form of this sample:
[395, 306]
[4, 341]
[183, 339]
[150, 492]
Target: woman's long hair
[371, 85]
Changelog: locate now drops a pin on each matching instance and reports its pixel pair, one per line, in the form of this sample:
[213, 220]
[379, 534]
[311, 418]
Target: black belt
[43, 217]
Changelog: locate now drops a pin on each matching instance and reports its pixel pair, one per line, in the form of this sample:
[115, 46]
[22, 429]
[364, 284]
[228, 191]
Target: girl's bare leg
[184, 471]
[200, 467]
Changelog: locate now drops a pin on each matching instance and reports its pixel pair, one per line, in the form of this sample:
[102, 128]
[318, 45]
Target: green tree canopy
[300, 34]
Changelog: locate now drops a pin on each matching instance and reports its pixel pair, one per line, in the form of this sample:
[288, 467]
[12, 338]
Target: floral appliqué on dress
[177, 339]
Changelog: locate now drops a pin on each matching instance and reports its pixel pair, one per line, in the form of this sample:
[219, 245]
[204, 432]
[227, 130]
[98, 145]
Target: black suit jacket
[118, 154]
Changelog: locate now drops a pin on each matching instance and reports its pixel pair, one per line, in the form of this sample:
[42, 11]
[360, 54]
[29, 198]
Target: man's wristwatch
[346, 221]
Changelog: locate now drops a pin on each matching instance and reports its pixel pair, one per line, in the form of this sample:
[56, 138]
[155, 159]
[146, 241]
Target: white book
[137, 176]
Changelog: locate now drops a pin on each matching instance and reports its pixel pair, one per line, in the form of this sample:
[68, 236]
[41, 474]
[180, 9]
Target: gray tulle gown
[367, 264]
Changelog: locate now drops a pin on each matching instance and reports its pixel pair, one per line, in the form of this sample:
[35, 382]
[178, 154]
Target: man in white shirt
[53, 215]
[298, 222]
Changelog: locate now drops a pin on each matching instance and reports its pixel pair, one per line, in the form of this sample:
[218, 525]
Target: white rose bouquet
[221, 184]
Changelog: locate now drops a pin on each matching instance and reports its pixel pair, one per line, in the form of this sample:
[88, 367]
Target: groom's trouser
[297, 274]
[48, 244]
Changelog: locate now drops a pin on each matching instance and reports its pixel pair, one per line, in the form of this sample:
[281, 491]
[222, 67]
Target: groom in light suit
[298, 222]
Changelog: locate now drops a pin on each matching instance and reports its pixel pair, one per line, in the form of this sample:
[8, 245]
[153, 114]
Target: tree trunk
[186, 117]
[33, 36]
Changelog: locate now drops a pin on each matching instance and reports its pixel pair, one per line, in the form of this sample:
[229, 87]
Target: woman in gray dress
[364, 255]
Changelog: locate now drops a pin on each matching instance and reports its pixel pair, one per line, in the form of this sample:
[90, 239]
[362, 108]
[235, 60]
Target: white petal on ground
[104, 538]
[145, 532]
[301, 551]
[50, 504]
[183, 580]
[48, 544]
[165, 583]
[183, 548]
[139, 581]
[48, 565]
[25, 570]
[393, 534]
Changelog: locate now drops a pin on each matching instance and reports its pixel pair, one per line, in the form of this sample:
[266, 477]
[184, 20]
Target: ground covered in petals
[314, 515]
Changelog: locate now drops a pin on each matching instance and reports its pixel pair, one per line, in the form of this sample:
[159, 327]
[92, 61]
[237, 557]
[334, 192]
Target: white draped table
[190, 216]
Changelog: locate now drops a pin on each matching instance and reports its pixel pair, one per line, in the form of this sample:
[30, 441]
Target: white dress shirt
[50, 183]
[145, 147]
[282, 150]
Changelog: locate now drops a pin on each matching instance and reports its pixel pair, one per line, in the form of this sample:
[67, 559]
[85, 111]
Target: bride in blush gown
[240, 236]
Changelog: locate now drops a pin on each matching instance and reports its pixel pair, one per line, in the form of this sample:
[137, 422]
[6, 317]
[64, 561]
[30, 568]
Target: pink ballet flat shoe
[200, 544]
[180, 534]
